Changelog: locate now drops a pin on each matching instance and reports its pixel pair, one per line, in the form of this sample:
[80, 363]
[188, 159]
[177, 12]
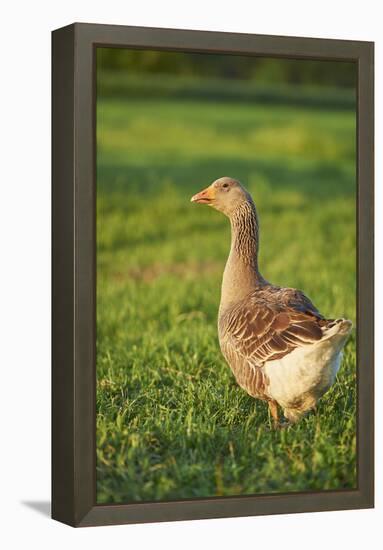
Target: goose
[279, 347]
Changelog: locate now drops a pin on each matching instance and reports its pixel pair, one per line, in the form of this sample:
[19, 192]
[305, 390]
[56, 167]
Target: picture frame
[74, 273]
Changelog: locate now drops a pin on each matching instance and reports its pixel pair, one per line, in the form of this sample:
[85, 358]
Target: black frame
[74, 274]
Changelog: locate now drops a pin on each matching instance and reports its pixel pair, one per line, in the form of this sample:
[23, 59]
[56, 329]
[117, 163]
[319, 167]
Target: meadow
[171, 421]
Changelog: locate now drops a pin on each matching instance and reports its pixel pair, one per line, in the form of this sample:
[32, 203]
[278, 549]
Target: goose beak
[205, 196]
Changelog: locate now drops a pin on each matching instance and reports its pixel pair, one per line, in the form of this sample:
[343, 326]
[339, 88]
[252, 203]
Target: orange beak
[205, 196]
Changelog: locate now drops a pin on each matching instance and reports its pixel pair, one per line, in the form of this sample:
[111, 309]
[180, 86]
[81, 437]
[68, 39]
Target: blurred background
[171, 421]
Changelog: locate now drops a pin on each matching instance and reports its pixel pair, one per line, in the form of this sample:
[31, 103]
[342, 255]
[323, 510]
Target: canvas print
[226, 275]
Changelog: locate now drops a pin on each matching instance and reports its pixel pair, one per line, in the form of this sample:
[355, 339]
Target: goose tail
[337, 327]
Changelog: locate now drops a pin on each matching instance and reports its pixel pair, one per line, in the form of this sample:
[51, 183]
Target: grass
[171, 421]
[127, 84]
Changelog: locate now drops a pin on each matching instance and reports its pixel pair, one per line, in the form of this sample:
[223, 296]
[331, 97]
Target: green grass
[128, 84]
[171, 421]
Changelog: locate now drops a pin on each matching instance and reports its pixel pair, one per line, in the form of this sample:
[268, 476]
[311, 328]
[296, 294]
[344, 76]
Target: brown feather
[270, 323]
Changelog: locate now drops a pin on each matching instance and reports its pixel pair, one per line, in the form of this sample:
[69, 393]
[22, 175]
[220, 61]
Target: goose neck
[241, 274]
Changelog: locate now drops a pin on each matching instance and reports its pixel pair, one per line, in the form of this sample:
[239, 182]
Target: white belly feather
[300, 378]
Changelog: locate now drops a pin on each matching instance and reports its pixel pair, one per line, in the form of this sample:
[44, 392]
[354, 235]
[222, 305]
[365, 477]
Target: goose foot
[283, 424]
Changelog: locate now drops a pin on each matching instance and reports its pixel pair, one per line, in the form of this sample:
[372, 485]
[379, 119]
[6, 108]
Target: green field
[171, 421]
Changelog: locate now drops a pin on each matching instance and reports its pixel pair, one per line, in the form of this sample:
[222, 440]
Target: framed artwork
[212, 275]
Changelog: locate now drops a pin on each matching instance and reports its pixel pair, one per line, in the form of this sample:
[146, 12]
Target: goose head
[224, 194]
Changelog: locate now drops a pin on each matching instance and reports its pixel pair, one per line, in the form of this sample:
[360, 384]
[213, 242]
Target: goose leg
[273, 408]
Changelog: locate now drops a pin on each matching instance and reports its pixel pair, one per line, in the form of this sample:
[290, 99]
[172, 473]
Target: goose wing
[269, 325]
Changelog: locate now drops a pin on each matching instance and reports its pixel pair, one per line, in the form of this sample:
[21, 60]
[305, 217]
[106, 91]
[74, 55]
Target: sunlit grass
[171, 421]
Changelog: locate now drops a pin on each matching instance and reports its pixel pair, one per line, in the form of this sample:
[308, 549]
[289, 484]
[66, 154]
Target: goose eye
[225, 185]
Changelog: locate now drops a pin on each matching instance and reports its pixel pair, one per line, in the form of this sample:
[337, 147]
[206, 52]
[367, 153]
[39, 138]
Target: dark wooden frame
[73, 266]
